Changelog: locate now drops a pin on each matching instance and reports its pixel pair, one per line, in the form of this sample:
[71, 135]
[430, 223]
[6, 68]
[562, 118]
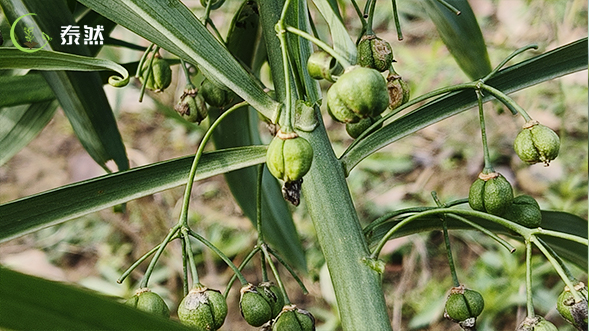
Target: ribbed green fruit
[204, 309]
[574, 312]
[192, 106]
[273, 296]
[254, 307]
[525, 211]
[399, 92]
[149, 302]
[321, 65]
[356, 129]
[374, 53]
[294, 319]
[214, 95]
[491, 193]
[289, 159]
[358, 93]
[544, 325]
[536, 143]
[160, 76]
[464, 303]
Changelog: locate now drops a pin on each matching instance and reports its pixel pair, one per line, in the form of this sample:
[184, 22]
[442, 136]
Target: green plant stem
[290, 270]
[205, 17]
[185, 288]
[276, 275]
[488, 166]
[521, 230]
[370, 19]
[447, 241]
[241, 266]
[173, 231]
[562, 235]
[187, 74]
[137, 263]
[220, 254]
[287, 126]
[498, 239]
[187, 192]
[149, 72]
[259, 204]
[360, 14]
[388, 216]
[215, 30]
[559, 270]
[507, 59]
[191, 262]
[529, 301]
[142, 60]
[506, 100]
[449, 6]
[320, 44]
[559, 260]
[397, 21]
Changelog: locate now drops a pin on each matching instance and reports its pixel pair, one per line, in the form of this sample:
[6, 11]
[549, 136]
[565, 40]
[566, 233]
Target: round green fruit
[160, 76]
[572, 311]
[358, 93]
[192, 106]
[374, 53]
[149, 302]
[354, 130]
[294, 319]
[254, 307]
[289, 157]
[321, 65]
[273, 296]
[525, 211]
[399, 92]
[214, 95]
[491, 193]
[463, 304]
[204, 309]
[536, 143]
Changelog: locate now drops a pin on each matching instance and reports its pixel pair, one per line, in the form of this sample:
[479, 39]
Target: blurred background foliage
[446, 157]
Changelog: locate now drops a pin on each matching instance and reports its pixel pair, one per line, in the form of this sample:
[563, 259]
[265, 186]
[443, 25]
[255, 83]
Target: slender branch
[173, 231]
[488, 166]
[276, 275]
[191, 262]
[529, 301]
[562, 235]
[345, 63]
[507, 59]
[241, 266]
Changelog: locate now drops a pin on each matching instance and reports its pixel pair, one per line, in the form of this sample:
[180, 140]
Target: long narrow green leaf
[462, 35]
[56, 206]
[20, 124]
[80, 94]
[339, 34]
[31, 303]
[558, 62]
[551, 220]
[175, 28]
[18, 90]
[241, 129]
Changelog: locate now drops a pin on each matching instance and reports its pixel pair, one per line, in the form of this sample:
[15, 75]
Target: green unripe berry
[354, 130]
[537, 323]
[572, 311]
[289, 157]
[536, 143]
[192, 106]
[204, 309]
[294, 319]
[374, 53]
[273, 296]
[463, 304]
[149, 302]
[525, 211]
[214, 95]
[160, 76]
[358, 93]
[491, 193]
[254, 307]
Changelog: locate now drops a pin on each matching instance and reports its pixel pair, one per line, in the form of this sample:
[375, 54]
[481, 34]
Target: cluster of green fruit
[192, 105]
[363, 91]
[205, 309]
[492, 193]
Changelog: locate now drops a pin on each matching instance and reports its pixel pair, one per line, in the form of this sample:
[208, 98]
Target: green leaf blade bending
[172, 26]
[32, 303]
[462, 36]
[556, 63]
[56, 206]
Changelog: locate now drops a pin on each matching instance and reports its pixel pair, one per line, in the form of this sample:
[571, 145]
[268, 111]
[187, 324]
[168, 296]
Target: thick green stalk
[357, 287]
